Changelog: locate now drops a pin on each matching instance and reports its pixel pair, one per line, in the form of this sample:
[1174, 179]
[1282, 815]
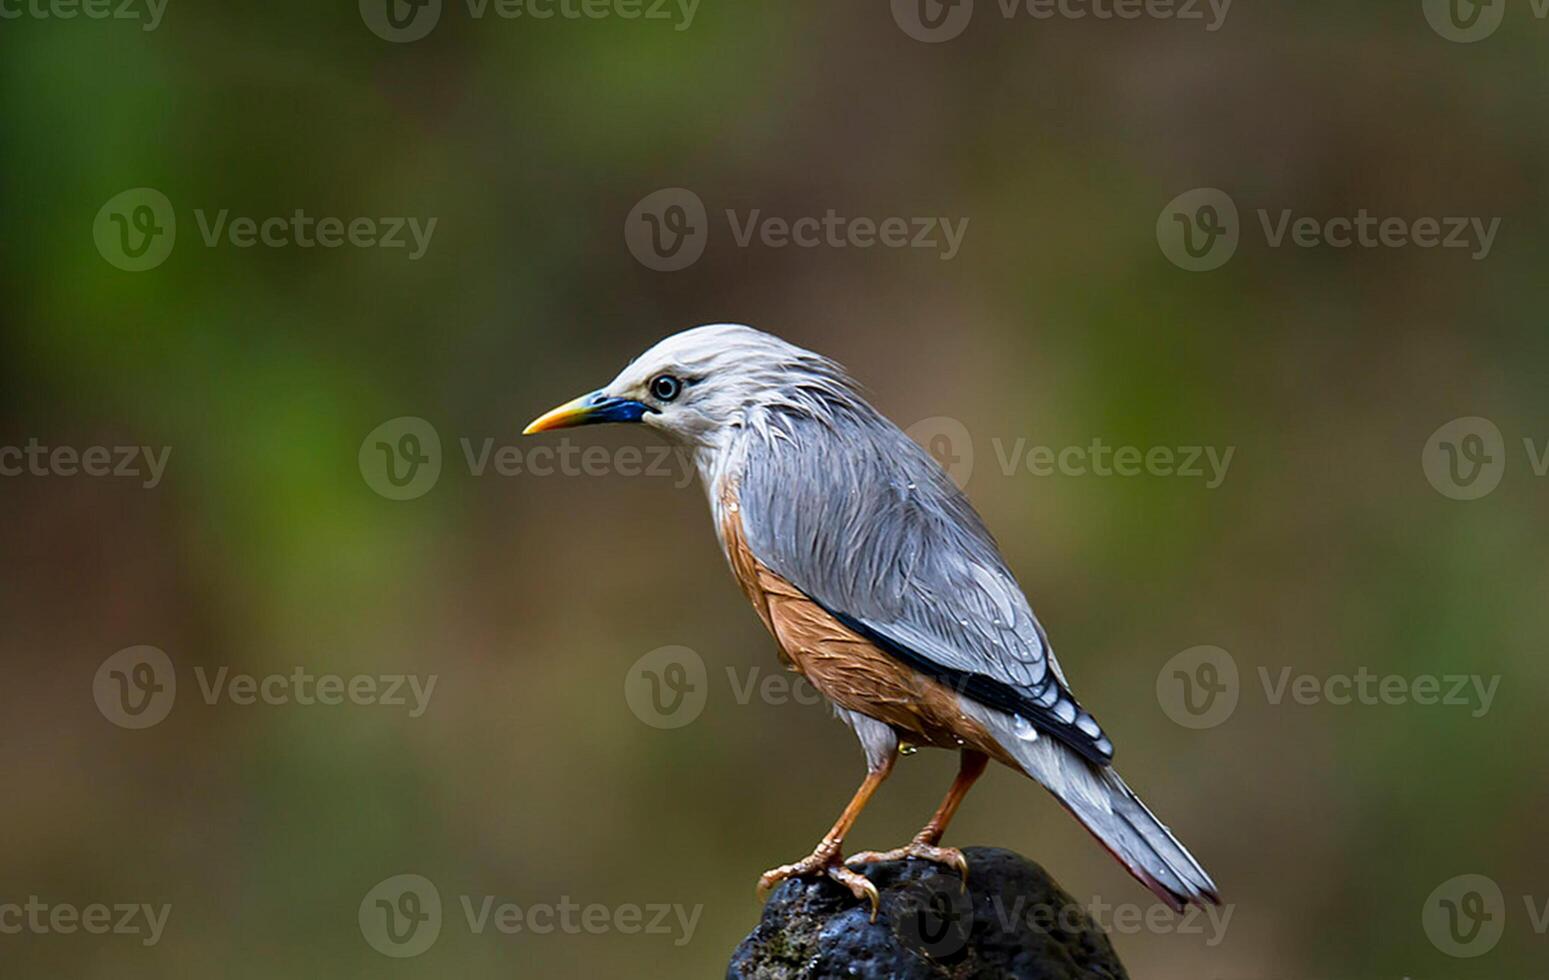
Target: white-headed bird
[882, 587]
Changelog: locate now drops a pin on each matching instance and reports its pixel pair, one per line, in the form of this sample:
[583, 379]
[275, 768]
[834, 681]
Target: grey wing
[849, 510]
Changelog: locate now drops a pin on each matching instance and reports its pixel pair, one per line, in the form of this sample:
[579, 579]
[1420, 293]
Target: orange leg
[925, 843]
[826, 858]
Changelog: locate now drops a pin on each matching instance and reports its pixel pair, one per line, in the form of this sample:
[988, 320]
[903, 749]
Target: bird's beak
[591, 409]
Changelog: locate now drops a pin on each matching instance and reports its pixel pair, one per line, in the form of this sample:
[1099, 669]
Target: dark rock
[1013, 921]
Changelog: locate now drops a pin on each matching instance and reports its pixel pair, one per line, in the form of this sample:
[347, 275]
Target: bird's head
[698, 385]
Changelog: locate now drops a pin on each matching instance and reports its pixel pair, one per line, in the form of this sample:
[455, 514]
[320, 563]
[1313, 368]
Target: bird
[883, 587]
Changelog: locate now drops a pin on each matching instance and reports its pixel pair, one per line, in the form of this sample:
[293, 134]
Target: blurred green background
[529, 777]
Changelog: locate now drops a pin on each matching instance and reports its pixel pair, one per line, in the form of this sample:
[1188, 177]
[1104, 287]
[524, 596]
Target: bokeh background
[530, 598]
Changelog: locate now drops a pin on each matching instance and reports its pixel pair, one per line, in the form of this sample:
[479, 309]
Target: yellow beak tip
[573, 412]
[544, 423]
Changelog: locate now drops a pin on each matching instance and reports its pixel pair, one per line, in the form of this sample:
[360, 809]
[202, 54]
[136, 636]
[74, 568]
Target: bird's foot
[922, 848]
[825, 860]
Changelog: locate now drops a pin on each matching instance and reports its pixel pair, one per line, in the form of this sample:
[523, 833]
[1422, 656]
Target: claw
[769, 879]
[859, 885]
[825, 855]
[949, 856]
[824, 860]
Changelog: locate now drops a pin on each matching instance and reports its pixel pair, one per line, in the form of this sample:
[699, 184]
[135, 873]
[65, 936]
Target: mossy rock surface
[1013, 921]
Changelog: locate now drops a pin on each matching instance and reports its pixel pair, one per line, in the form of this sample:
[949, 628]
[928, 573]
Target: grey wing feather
[849, 510]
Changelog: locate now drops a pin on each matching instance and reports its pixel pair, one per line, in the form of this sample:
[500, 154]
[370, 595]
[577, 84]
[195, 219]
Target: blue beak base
[593, 409]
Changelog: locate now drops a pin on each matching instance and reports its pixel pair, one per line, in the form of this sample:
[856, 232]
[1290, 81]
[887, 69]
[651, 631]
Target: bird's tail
[1107, 807]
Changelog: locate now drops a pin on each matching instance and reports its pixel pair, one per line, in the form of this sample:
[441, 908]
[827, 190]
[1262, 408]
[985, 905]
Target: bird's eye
[664, 387]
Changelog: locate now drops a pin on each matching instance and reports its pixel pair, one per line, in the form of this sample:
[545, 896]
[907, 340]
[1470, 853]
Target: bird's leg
[924, 845]
[826, 858]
